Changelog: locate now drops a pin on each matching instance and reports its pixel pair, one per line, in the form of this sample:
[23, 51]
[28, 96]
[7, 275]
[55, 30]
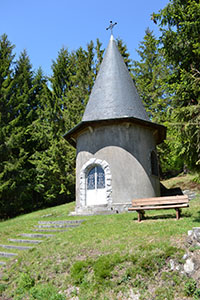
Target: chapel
[116, 157]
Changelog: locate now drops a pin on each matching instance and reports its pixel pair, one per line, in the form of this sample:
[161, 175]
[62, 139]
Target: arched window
[154, 163]
[96, 178]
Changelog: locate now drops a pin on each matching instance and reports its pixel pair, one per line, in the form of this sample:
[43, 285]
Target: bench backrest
[161, 200]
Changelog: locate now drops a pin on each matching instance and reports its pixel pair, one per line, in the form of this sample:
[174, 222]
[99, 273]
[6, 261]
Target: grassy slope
[104, 258]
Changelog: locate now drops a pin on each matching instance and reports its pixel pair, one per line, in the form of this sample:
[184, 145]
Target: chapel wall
[127, 149]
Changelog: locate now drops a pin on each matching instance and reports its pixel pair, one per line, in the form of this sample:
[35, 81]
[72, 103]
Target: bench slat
[159, 202]
[135, 208]
[164, 198]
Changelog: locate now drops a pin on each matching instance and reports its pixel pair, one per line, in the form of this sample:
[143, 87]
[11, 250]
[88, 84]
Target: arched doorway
[95, 183]
[96, 191]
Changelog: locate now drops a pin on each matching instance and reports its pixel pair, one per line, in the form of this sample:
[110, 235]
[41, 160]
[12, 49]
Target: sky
[43, 27]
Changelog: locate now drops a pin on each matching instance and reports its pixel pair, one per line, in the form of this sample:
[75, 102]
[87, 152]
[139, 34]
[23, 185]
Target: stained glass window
[100, 178]
[91, 179]
[96, 178]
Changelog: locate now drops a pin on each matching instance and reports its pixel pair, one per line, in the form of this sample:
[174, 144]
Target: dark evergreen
[6, 84]
[179, 22]
[150, 74]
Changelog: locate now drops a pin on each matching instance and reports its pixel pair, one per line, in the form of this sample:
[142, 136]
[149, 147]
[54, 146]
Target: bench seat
[170, 202]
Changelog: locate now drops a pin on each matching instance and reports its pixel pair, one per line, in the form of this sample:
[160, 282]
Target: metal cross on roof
[111, 26]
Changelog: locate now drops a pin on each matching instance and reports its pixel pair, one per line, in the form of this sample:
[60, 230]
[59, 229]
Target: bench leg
[178, 213]
[140, 215]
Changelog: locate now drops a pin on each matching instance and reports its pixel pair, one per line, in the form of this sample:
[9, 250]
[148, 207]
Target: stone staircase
[49, 227]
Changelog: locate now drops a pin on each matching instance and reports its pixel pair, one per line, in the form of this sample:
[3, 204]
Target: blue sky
[43, 27]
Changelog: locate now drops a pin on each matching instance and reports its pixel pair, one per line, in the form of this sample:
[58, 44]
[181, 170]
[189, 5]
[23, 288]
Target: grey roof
[114, 94]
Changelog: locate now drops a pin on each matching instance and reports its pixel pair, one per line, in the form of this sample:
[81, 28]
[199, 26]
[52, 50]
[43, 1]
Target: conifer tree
[99, 55]
[179, 22]
[6, 82]
[18, 192]
[124, 53]
[6, 62]
[150, 74]
[16, 168]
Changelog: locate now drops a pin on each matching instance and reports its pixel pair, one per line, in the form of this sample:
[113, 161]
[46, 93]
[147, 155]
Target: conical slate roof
[114, 94]
[114, 99]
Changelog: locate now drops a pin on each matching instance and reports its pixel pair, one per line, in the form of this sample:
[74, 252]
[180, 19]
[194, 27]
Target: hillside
[106, 257]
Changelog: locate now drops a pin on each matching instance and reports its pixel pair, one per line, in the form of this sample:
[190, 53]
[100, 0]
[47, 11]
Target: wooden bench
[176, 202]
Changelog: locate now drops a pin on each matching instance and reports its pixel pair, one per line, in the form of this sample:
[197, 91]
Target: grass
[107, 257]
[184, 182]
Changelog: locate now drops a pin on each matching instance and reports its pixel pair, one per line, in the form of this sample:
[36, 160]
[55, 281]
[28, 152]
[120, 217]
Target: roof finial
[111, 26]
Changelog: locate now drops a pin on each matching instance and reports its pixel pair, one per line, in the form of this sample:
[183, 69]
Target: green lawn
[107, 257]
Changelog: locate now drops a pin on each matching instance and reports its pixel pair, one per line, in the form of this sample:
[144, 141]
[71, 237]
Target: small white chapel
[116, 157]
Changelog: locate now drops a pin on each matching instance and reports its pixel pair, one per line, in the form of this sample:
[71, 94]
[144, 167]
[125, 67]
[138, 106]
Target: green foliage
[45, 292]
[150, 75]
[197, 294]
[164, 293]
[27, 289]
[179, 22]
[25, 282]
[79, 270]
[125, 54]
[104, 265]
[190, 287]
[2, 288]
[197, 178]
[99, 273]
[170, 152]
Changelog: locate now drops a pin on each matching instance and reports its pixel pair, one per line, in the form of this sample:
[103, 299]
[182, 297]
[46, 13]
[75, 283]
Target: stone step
[2, 263]
[7, 254]
[16, 247]
[50, 230]
[36, 235]
[57, 225]
[91, 212]
[25, 241]
[62, 222]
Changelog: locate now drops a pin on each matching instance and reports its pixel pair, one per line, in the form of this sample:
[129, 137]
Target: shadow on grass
[167, 216]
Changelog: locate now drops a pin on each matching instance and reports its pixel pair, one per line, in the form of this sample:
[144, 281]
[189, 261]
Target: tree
[150, 74]
[99, 55]
[17, 191]
[179, 23]
[6, 64]
[6, 83]
[124, 53]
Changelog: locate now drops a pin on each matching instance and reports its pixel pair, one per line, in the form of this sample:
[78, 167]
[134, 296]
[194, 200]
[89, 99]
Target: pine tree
[99, 55]
[82, 81]
[124, 53]
[18, 174]
[150, 74]
[6, 83]
[179, 22]
[17, 168]
[6, 62]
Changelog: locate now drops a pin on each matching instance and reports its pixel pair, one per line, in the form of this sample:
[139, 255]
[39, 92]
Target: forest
[37, 165]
